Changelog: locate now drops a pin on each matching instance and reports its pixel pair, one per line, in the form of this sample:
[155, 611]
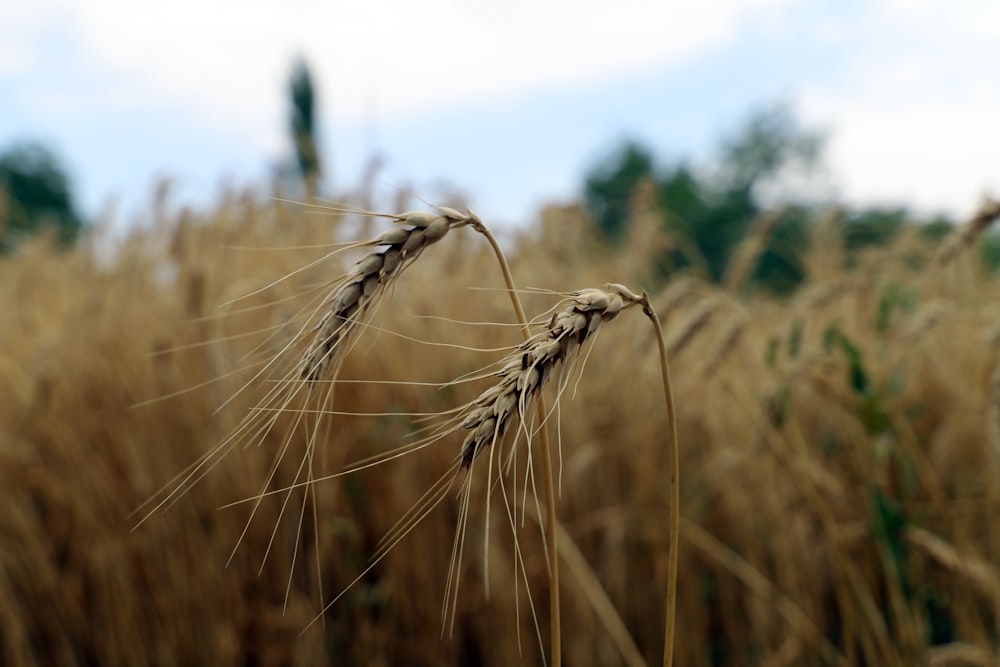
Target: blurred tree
[713, 207]
[303, 126]
[780, 266]
[34, 194]
[771, 144]
[608, 188]
[990, 250]
[872, 226]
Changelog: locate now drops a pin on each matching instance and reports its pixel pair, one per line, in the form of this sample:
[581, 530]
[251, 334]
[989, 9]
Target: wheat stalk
[980, 572]
[354, 298]
[960, 654]
[729, 339]
[965, 236]
[926, 319]
[696, 320]
[993, 415]
[524, 374]
[745, 258]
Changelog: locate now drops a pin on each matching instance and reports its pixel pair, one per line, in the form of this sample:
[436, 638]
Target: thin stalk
[546, 455]
[675, 497]
[598, 597]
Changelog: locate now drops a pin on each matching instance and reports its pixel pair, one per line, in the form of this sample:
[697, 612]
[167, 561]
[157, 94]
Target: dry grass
[839, 482]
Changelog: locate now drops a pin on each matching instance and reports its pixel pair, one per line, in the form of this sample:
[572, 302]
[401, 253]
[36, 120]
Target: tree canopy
[768, 163]
[35, 193]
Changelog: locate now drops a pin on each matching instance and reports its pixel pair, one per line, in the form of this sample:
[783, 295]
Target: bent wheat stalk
[966, 235]
[525, 373]
[357, 293]
[522, 376]
[675, 494]
[545, 452]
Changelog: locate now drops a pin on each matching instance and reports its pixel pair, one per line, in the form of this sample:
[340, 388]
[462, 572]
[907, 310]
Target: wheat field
[839, 453]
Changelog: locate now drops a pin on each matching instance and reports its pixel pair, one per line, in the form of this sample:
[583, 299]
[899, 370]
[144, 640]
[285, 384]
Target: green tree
[872, 226]
[770, 144]
[713, 207]
[770, 161]
[35, 193]
[303, 126]
[608, 187]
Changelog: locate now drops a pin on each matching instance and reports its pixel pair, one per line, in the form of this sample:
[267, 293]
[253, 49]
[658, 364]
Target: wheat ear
[373, 273]
[353, 299]
[545, 452]
[523, 375]
[526, 371]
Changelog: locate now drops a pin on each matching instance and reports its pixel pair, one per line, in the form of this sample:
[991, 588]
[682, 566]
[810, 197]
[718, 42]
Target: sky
[509, 102]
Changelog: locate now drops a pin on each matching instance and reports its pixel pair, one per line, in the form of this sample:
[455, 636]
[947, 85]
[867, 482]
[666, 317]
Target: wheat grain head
[355, 294]
[526, 371]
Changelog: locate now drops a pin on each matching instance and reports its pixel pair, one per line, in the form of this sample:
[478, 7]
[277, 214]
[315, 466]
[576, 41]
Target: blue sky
[507, 101]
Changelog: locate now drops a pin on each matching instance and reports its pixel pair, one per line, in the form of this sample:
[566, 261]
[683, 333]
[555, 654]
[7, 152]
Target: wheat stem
[545, 453]
[675, 498]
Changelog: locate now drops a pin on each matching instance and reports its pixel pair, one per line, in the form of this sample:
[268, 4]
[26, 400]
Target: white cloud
[910, 96]
[230, 59]
[913, 111]
[938, 157]
[14, 59]
[20, 23]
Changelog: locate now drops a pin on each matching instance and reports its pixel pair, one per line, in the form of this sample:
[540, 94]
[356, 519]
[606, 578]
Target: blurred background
[802, 188]
[508, 103]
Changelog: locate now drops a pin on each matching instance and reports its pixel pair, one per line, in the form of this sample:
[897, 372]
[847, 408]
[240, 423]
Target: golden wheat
[810, 479]
[526, 372]
[372, 275]
[963, 237]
